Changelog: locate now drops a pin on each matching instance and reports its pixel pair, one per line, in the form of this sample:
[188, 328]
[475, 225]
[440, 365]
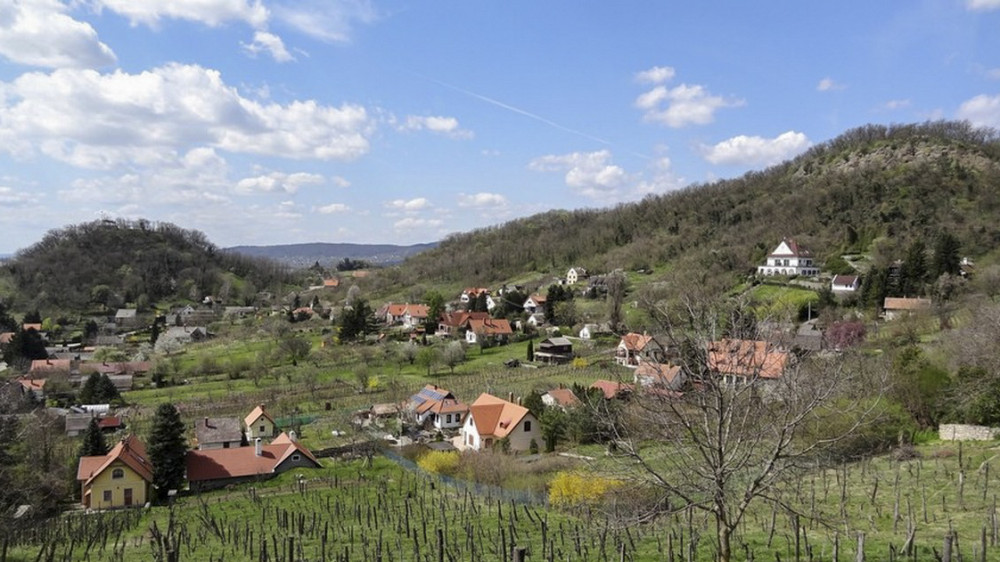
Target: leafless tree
[740, 419]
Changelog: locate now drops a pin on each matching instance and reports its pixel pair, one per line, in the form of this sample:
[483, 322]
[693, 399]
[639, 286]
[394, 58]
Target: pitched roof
[474, 291]
[31, 383]
[219, 464]
[115, 367]
[5, 337]
[109, 422]
[332, 282]
[563, 397]
[433, 398]
[794, 250]
[257, 412]
[747, 358]
[494, 416]
[36, 326]
[457, 319]
[51, 365]
[490, 326]
[635, 342]
[662, 374]
[129, 450]
[397, 310]
[612, 389]
[538, 299]
[899, 303]
[217, 430]
[125, 313]
[845, 280]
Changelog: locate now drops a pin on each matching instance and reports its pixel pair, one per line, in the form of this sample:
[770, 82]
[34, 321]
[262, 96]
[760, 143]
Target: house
[218, 433]
[789, 259]
[898, 307]
[659, 375]
[554, 350]
[491, 419]
[238, 311]
[125, 317]
[438, 407]
[456, 323]
[122, 478]
[331, 283]
[562, 398]
[634, 348]
[536, 320]
[534, 303]
[497, 330]
[185, 334]
[259, 423]
[591, 331]
[36, 386]
[471, 294]
[49, 367]
[744, 361]
[845, 283]
[613, 389]
[409, 315]
[809, 337]
[215, 468]
[575, 274]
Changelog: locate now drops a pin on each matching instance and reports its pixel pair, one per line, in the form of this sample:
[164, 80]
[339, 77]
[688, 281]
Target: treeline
[117, 262]
[877, 184]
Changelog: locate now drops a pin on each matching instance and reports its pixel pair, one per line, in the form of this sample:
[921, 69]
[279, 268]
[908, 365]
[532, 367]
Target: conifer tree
[167, 449]
[93, 441]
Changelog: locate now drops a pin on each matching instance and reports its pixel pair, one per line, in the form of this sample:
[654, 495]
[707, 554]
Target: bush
[886, 421]
[439, 462]
[576, 488]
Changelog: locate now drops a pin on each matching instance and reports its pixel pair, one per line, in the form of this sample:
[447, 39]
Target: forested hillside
[117, 262]
[874, 188]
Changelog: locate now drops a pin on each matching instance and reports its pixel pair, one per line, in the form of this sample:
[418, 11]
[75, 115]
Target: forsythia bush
[579, 363]
[440, 462]
[575, 488]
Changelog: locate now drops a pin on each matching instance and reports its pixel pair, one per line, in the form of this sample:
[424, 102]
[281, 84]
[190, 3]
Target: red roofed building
[491, 419]
[409, 315]
[613, 389]
[635, 348]
[743, 361]
[659, 375]
[456, 323]
[215, 468]
[495, 329]
[259, 423]
[122, 478]
[52, 366]
[561, 398]
[35, 386]
[789, 259]
[438, 407]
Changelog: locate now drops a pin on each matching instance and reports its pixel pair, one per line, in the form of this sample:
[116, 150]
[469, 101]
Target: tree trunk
[725, 536]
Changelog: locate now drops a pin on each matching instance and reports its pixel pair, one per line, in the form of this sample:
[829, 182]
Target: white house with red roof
[491, 419]
[409, 315]
[789, 258]
[634, 348]
[845, 283]
[438, 407]
[496, 329]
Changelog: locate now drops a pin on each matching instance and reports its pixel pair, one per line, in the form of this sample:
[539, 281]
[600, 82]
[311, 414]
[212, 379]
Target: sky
[289, 121]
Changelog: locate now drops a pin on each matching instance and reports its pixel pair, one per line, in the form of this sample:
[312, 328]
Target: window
[458, 418]
[117, 473]
[225, 444]
[527, 425]
[296, 457]
[107, 496]
[447, 418]
[263, 429]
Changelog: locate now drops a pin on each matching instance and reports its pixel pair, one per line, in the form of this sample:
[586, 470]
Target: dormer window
[527, 425]
[117, 473]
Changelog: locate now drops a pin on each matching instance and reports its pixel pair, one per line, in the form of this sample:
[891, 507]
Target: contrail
[519, 111]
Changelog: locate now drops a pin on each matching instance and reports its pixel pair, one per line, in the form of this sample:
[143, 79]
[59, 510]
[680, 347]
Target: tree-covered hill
[117, 262]
[874, 188]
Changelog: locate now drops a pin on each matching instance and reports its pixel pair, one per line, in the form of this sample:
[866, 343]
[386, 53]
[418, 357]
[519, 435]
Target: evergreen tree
[167, 449]
[106, 390]
[93, 441]
[357, 321]
[88, 392]
[480, 304]
[154, 333]
[435, 307]
[531, 350]
[914, 271]
[946, 256]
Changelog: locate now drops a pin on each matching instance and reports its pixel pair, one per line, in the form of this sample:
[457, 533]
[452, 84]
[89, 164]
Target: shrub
[439, 462]
[576, 488]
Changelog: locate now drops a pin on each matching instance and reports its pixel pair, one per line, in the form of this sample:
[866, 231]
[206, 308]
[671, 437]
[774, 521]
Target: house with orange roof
[437, 407]
[456, 323]
[897, 307]
[35, 386]
[259, 424]
[789, 258]
[36, 326]
[635, 348]
[215, 468]
[470, 294]
[562, 398]
[613, 389]
[492, 419]
[122, 478]
[331, 283]
[497, 330]
[746, 361]
[409, 315]
[535, 303]
[46, 367]
[659, 375]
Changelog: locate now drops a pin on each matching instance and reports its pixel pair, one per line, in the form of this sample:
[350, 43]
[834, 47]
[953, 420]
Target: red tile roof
[662, 374]
[51, 365]
[219, 464]
[257, 412]
[491, 326]
[494, 416]
[898, 303]
[129, 450]
[747, 358]
[457, 319]
[612, 389]
[564, 397]
[635, 342]
[32, 384]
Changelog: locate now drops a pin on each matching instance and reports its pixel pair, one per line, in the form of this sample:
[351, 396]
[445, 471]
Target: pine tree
[93, 441]
[946, 256]
[531, 350]
[88, 392]
[167, 449]
[106, 390]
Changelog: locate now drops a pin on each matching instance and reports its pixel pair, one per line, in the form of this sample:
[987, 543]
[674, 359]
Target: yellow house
[259, 424]
[122, 478]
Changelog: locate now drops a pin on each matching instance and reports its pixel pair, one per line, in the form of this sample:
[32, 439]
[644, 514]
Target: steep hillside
[304, 255]
[117, 262]
[873, 188]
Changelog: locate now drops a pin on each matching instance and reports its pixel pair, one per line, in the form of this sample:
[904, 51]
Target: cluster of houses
[229, 451]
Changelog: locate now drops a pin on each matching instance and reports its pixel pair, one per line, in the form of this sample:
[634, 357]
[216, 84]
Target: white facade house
[534, 303]
[575, 274]
[491, 419]
[845, 283]
[789, 259]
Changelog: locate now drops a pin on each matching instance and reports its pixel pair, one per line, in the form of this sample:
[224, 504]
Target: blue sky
[269, 122]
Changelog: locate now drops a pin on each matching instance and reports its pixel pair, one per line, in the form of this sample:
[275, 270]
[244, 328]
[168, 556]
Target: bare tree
[738, 421]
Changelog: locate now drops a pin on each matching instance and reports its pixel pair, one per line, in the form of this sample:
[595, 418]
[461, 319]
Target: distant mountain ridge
[327, 254]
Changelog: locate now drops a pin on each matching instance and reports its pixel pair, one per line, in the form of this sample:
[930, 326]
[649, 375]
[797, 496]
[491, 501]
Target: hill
[305, 255]
[874, 188]
[116, 262]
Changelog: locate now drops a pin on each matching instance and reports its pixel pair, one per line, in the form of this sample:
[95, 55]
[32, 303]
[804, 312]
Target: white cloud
[11, 198]
[40, 33]
[893, 105]
[753, 151]
[277, 182]
[983, 5]
[332, 22]
[827, 85]
[682, 105]
[411, 223]
[482, 200]
[435, 124]
[89, 119]
[409, 205]
[655, 75]
[590, 173]
[993, 73]
[333, 208]
[339, 181]
[269, 43]
[208, 12]
[661, 178]
[288, 210]
[982, 111]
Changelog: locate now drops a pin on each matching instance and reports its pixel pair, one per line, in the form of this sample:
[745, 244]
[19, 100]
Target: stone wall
[960, 432]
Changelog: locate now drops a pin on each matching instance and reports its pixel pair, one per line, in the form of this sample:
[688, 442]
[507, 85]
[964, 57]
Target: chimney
[206, 422]
[292, 436]
[510, 397]
[258, 449]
